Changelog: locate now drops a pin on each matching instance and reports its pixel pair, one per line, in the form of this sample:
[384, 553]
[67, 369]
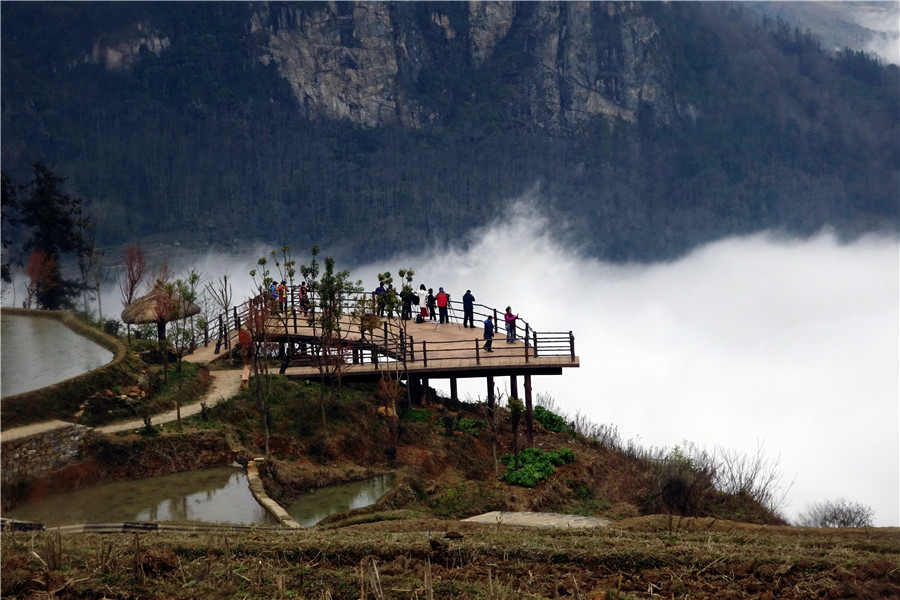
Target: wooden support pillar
[513, 387]
[529, 413]
[453, 395]
[490, 394]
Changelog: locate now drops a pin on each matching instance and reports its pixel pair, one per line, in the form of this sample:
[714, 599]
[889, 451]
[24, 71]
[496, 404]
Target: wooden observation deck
[413, 351]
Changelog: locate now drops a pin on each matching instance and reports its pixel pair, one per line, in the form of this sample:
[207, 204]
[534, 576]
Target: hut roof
[161, 305]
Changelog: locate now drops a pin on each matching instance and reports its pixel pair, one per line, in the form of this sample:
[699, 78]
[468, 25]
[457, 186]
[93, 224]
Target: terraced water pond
[41, 351]
[217, 495]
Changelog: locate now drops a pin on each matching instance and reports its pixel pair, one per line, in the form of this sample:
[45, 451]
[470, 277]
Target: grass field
[398, 557]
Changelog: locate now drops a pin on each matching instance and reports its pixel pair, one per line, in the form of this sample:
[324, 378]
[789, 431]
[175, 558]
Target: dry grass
[413, 558]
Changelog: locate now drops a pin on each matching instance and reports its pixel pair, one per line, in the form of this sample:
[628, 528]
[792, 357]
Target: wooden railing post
[535, 345]
[572, 344]
[477, 352]
[221, 335]
[412, 349]
[237, 319]
[527, 327]
[425, 353]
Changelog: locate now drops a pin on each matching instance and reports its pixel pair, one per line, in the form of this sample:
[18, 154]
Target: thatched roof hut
[160, 306]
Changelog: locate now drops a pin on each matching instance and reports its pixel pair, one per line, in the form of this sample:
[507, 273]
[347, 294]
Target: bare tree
[222, 294]
[135, 269]
[756, 476]
[837, 513]
[164, 307]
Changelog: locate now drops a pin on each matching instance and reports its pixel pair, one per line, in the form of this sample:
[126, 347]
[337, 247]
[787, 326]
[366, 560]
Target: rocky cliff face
[122, 55]
[559, 63]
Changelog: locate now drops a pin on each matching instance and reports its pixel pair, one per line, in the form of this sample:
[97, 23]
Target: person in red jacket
[443, 301]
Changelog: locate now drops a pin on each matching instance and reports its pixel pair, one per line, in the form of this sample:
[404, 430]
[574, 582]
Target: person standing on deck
[304, 299]
[488, 334]
[423, 301]
[510, 326]
[378, 299]
[432, 312]
[469, 309]
[273, 292]
[443, 299]
[282, 297]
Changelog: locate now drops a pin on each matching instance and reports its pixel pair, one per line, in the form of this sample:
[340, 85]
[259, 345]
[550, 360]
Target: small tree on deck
[331, 289]
[259, 311]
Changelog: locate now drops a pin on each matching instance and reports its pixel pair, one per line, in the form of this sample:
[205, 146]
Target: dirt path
[225, 384]
[533, 519]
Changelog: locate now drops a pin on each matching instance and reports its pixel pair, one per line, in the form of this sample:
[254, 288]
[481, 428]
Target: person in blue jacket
[469, 309]
[488, 334]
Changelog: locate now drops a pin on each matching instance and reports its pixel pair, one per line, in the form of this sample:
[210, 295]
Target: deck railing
[393, 340]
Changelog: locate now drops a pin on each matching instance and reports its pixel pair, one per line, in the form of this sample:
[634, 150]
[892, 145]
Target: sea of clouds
[760, 341]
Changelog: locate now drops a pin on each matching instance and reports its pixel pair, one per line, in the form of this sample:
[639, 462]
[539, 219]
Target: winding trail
[225, 384]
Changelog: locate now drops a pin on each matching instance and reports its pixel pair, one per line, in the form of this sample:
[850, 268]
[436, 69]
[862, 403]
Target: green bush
[534, 465]
[550, 420]
[470, 426]
[418, 415]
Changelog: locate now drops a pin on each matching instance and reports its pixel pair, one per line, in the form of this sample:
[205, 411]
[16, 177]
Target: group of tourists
[279, 297]
[432, 307]
[435, 307]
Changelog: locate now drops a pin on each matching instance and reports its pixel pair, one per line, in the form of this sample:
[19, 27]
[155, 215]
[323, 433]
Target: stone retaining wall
[26, 457]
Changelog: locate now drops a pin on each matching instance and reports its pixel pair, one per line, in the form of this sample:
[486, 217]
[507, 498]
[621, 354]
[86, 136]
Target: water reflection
[314, 506]
[40, 351]
[218, 495]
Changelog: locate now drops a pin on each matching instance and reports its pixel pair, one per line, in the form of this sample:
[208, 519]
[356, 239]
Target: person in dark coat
[469, 309]
[378, 299]
[488, 334]
[432, 305]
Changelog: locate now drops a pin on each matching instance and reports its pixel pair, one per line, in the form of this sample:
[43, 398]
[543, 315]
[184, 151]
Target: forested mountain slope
[645, 128]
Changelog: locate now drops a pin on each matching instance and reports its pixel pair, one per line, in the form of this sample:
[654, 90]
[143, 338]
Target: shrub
[550, 420]
[684, 484]
[112, 327]
[470, 426]
[448, 422]
[535, 465]
[418, 415]
[837, 513]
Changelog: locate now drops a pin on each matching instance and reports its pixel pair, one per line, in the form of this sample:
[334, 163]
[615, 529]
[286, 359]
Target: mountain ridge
[651, 127]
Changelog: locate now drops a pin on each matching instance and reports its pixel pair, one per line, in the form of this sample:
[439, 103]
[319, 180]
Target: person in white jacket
[423, 302]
